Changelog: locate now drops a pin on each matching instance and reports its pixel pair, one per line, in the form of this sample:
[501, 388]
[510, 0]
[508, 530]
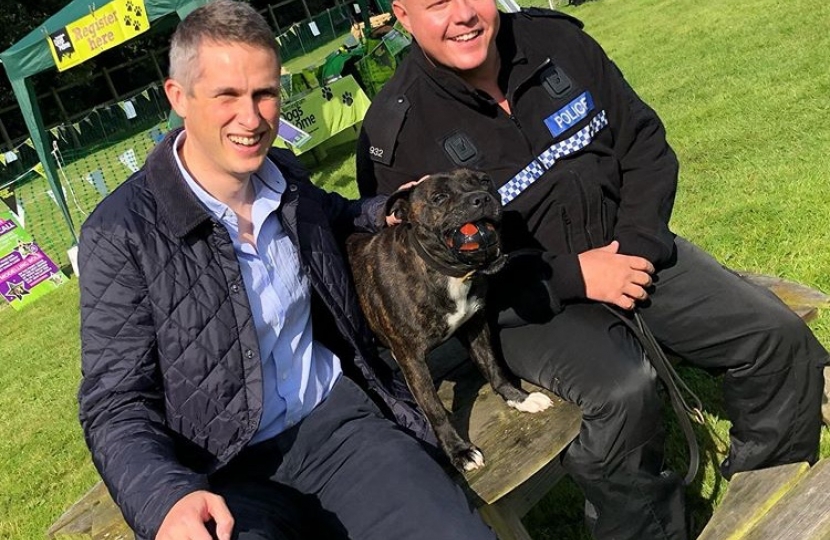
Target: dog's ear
[398, 204]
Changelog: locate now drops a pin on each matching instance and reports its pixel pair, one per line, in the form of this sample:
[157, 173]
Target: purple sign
[25, 271]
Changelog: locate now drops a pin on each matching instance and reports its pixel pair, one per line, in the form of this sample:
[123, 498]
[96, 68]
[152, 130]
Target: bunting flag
[3, 159]
[146, 95]
[129, 160]
[96, 180]
[129, 109]
[38, 168]
[29, 143]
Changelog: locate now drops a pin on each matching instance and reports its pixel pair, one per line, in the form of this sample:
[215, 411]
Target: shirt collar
[268, 183]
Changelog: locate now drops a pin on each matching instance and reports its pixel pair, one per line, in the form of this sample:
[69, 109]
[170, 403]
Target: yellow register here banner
[105, 28]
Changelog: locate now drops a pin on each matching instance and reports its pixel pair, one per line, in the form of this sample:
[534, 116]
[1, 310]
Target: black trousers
[345, 472]
[711, 318]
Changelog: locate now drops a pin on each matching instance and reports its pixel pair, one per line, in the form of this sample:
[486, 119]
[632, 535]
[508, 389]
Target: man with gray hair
[230, 386]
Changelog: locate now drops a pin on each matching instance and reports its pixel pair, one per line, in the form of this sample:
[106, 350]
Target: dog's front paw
[468, 459]
[533, 403]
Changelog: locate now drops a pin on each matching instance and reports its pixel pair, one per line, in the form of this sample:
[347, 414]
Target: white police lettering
[376, 152]
[573, 112]
[570, 114]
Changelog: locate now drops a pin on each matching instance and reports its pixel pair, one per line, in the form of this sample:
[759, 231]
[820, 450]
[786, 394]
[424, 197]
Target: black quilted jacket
[172, 383]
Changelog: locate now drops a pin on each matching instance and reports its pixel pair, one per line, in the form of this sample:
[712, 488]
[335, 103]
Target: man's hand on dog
[392, 219]
[615, 279]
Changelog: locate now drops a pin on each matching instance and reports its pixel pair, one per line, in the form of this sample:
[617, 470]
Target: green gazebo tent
[31, 55]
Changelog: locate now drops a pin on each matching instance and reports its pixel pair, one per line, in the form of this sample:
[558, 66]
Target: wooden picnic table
[521, 450]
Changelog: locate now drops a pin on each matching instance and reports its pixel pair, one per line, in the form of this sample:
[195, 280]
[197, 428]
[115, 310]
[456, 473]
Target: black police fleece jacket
[580, 161]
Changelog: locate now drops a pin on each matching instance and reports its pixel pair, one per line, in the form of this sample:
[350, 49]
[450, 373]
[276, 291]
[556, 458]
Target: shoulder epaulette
[551, 14]
[391, 109]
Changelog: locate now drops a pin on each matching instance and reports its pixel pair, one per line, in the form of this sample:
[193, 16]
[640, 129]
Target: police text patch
[568, 116]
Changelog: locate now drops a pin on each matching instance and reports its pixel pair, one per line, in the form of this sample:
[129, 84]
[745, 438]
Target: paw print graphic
[327, 94]
[347, 99]
[136, 25]
[138, 11]
[129, 5]
[128, 21]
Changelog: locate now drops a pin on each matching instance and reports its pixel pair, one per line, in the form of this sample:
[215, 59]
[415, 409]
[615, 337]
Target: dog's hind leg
[475, 334]
[463, 455]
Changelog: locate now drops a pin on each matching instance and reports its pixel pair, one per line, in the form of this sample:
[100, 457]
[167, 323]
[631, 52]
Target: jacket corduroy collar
[177, 204]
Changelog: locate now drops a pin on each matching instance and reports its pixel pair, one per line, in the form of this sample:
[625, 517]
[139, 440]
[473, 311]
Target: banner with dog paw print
[324, 112]
[104, 28]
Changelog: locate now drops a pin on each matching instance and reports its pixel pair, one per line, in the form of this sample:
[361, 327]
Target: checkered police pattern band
[549, 157]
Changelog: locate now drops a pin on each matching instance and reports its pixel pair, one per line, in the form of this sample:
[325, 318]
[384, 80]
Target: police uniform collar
[511, 50]
[447, 80]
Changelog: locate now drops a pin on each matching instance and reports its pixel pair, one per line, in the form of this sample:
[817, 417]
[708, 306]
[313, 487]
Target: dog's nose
[480, 199]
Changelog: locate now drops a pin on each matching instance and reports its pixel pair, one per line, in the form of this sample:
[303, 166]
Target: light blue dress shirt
[298, 373]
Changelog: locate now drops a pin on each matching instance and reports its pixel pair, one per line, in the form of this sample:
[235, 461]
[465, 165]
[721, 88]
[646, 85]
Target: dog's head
[455, 216]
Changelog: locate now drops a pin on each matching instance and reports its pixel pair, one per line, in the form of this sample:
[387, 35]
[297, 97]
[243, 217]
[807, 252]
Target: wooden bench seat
[521, 450]
[785, 502]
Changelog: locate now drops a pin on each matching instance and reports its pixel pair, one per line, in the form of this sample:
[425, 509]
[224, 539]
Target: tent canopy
[31, 55]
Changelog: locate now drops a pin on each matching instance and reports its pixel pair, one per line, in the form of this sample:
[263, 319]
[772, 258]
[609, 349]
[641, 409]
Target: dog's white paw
[533, 403]
[473, 459]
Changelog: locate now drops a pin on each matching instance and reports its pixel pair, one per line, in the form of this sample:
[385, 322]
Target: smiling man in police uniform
[588, 182]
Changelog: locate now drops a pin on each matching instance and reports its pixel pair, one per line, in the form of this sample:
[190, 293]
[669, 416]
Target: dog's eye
[438, 198]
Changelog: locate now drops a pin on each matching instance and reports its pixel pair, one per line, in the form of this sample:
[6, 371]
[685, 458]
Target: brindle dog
[424, 280]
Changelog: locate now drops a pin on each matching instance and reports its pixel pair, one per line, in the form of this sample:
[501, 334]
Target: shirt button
[249, 353]
[284, 376]
[292, 187]
[235, 288]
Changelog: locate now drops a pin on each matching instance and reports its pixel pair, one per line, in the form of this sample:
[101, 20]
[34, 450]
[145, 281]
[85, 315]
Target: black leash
[675, 386]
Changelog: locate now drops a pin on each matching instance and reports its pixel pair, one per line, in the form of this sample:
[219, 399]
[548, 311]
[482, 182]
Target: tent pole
[24, 92]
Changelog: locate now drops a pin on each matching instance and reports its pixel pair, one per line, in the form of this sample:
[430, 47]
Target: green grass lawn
[742, 88]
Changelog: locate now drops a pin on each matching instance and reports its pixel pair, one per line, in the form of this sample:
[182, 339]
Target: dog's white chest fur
[465, 306]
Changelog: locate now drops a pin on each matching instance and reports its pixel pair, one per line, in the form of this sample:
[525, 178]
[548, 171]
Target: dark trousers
[711, 318]
[344, 472]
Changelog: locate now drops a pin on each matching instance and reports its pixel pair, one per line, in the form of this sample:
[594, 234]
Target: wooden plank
[506, 525]
[803, 513]
[748, 498]
[528, 494]
[804, 300]
[93, 517]
[516, 445]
